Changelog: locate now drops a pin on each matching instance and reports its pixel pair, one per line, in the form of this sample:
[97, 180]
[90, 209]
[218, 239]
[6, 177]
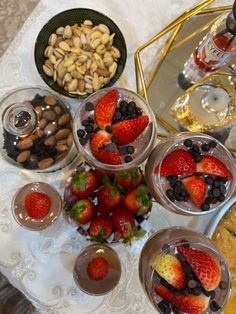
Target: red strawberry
[138, 201]
[100, 228]
[205, 267]
[104, 210]
[109, 196]
[105, 109]
[98, 144]
[171, 269]
[129, 179]
[196, 188]
[128, 130]
[178, 162]
[37, 205]
[190, 303]
[212, 165]
[83, 211]
[124, 223]
[98, 268]
[84, 183]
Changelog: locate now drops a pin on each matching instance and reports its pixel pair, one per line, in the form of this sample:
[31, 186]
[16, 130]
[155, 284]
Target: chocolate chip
[197, 157]
[85, 122]
[208, 200]
[114, 139]
[123, 104]
[89, 106]
[212, 144]
[188, 143]
[209, 180]
[216, 183]
[130, 149]
[221, 198]
[108, 128]
[89, 128]
[80, 133]
[214, 306]
[117, 116]
[128, 158]
[216, 192]
[205, 147]
[83, 141]
[205, 207]
[223, 285]
[195, 148]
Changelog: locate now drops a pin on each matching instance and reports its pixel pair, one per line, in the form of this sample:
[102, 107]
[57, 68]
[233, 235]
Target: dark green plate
[71, 17]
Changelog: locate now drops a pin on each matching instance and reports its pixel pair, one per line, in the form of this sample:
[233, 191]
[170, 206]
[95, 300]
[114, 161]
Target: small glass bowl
[108, 283]
[158, 185]
[167, 241]
[143, 144]
[20, 214]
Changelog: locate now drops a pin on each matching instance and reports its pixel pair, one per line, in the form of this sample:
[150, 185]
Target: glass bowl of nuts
[36, 129]
[80, 51]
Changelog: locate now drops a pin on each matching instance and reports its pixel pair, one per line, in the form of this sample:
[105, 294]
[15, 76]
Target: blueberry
[216, 183]
[216, 192]
[214, 306]
[207, 293]
[130, 149]
[108, 128]
[89, 129]
[89, 106]
[123, 104]
[186, 198]
[212, 144]
[188, 143]
[197, 157]
[208, 200]
[117, 116]
[128, 158]
[214, 201]
[221, 198]
[85, 122]
[205, 147]
[185, 291]
[209, 180]
[83, 141]
[80, 133]
[122, 150]
[205, 207]
[91, 120]
[196, 291]
[111, 147]
[195, 148]
[123, 110]
[191, 283]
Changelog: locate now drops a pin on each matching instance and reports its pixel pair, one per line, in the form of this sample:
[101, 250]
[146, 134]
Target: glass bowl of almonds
[80, 51]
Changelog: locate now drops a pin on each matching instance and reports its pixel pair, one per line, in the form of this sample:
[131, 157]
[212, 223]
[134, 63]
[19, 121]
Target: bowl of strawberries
[107, 207]
[114, 129]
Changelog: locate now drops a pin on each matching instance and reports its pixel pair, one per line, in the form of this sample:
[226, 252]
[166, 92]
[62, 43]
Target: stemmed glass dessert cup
[168, 242]
[142, 145]
[205, 145]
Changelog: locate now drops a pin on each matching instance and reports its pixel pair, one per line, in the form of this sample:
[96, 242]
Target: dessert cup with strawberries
[191, 174]
[36, 206]
[115, 129]
[97, 269]
[107, 208]
[181, 271]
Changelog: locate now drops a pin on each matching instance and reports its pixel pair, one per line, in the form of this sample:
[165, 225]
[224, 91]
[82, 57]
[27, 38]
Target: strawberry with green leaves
[83, 211]
[100, 228]
[84, 182]
[129, 179]
[138, 201]
[124, 224]
[109, 196]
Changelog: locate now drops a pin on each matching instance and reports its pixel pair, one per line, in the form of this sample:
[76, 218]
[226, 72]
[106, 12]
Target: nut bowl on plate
[80, 51]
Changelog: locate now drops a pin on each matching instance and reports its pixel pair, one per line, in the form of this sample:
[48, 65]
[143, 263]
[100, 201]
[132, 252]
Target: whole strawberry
[83, 211]
[37, 205]
[98, 268]
[124, 224]
[109, 196]
[129, 179]
[100, 228]
[138, 201]
[84, 182]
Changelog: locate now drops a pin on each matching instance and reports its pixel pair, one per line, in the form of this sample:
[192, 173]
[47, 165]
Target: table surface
[40, 263]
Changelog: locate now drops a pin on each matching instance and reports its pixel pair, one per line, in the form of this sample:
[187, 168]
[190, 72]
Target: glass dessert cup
[36, 128]
[143, 144]
[158, 185]
[167, 241]
[20, 214]
[91, 286]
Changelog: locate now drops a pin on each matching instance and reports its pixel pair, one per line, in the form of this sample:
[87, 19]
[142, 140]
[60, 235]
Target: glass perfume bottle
[213, 52]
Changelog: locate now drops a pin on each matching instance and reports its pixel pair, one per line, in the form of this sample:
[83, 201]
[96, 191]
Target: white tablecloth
[40, 263]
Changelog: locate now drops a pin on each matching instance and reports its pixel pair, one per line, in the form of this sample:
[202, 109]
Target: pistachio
[76, 51]
[71, 68]
[72, 86]
[64, 46]
[60, 30]
[88, 79]
[103, 72]
[76, 74]
[52, 39]
[59, 39]
[88, 23]
[81, 85]
[57, 63]
[55, 76]
[57, 109]
[68, 62]
[62, 148]
[24, 144]
[61, 134]
[108, 61]
[95, 34]
[61, 70]
[49, 115]
[67, 32]
[69, 42]
[52, 59]
[60, 82]
[112, 69]
[95, 43]
[59, 53]
[105, 38]
[45, 163]
[48, 51]
[93, 67]
[70, 139]
[103, 28]
[82, 58]
[64, 119]
[96, 82]
[76, 30]
[115, 52]
[23, 156]
[50, 128]
[42, 123]
[67, 77]
[48, 70]
[83, 39]
[50, 141]
[50, 100]
[77, 42]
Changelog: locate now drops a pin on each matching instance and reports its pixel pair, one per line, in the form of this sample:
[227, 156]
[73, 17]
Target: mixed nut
[49, 142]
[81, 58]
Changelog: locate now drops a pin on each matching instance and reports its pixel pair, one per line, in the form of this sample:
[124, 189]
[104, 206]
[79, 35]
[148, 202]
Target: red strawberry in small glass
[205, 267]
[129, 179]
[37, 205]
[83, 211]
[105, 109]
[212, 165]
[100, 228]
[128, 130]
[83, 183]
[138, 201]
[178, 162]
[191, 304]
[98, 268]
[124, 224]
[170, 268]
[196, 188]
[103, 149]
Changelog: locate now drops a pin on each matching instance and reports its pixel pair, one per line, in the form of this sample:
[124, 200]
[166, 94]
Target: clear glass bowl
[143, 143]
[158, 185]
[36, 128]
[167, 241]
